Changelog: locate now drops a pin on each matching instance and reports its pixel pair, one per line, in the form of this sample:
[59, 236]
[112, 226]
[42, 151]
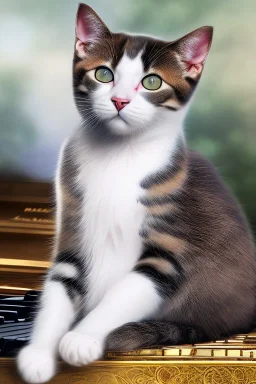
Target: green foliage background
[221, 123]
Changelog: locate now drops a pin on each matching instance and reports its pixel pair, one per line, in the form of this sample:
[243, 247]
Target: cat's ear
[89, 28]
[193, 49]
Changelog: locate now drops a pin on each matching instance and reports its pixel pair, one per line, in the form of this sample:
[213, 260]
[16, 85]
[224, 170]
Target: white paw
[79, 349]
[36, 365]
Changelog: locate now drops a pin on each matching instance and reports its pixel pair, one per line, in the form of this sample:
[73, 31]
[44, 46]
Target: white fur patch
[64, 269]
[36, 362]
[36, 365]
[112, 216]
[132, 298]
[50, 324]
[82, 88]
[58, 190]
[80, 349]
[128, 74]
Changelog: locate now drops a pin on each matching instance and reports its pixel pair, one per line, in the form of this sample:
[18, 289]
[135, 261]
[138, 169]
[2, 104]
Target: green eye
[104, 74]
[152, 82]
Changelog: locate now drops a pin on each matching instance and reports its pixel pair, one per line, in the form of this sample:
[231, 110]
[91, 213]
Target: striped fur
[151, 247]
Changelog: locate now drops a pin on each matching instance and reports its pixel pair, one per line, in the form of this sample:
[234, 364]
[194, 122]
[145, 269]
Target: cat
[151, 247]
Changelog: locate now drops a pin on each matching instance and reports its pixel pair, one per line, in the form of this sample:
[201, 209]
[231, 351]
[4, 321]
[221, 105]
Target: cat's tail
[153, 333]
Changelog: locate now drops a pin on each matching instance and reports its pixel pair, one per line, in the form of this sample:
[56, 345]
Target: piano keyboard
[16, 319]
[16, 316]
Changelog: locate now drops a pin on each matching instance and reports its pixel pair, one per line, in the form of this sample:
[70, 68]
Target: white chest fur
[112, 215]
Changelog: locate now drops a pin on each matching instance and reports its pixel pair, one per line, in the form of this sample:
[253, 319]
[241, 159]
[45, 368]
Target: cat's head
[127, 84]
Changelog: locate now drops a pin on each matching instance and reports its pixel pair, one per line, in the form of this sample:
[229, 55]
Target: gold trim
[5, 361]
[20, 229]
[25, 199]
[14, 263]
[20, 222]
[141, 372]
[8, 289]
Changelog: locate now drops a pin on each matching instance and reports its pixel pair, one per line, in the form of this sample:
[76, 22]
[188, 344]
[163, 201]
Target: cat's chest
[111, 205]
[112, 214]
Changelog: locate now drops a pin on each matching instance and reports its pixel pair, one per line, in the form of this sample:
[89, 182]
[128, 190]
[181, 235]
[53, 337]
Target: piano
[26, 231]
[221, 362]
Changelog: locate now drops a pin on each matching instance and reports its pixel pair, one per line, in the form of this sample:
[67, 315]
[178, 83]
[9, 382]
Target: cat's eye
[104, 75]
[152, 82]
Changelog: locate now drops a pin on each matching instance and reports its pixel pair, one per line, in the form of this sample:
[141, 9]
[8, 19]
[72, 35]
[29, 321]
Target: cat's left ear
[89, 28]
[193, 49]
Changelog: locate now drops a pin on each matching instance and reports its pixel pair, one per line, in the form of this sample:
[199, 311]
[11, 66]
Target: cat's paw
[36, 365]
[80, 349]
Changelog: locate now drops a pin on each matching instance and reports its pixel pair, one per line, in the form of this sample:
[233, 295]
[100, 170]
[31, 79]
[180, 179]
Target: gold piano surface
[231, 361]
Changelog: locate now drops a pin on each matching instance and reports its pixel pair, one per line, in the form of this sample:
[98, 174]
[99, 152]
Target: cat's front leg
[37, 360]
[132, 299]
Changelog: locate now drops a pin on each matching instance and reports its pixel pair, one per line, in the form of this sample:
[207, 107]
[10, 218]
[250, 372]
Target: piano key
[15, 333]
[32, 295]
[219, 352]
[21, 311]
[9, 315]
[234, 353]
[23, 338]
[19, 325]
[24, 303]
[249, 354]
[19, 298]
[13, 336]
[251, 337]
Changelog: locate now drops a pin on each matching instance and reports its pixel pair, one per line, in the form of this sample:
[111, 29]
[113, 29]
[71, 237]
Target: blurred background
[36, 105]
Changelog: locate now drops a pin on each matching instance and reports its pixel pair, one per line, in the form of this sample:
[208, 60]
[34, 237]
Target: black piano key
[19, 325]
[26, 308]
[13, 337]
[9, 315]
[10, 337]
[4, 297]
[25, 303]
[15, 333]
[32, 295]
[16, 314]
[22, 311]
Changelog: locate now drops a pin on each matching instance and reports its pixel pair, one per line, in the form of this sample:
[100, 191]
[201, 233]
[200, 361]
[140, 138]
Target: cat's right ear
[89, 28]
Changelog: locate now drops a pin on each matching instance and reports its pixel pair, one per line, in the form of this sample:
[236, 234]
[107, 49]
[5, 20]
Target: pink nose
[120, 103]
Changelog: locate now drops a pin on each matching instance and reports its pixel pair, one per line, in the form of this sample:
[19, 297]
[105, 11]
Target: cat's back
[205, 185]
[220, 256]
[214, 216]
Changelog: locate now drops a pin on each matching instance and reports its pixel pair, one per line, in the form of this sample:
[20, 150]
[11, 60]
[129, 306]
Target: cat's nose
[119, 103]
